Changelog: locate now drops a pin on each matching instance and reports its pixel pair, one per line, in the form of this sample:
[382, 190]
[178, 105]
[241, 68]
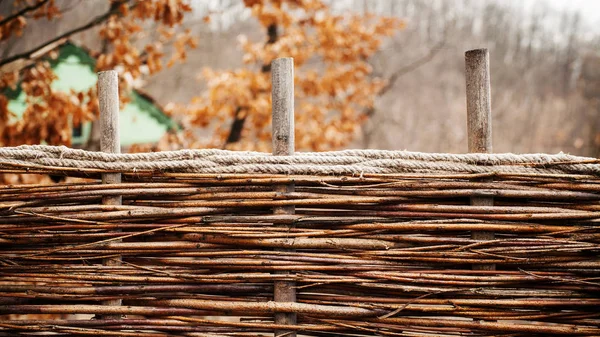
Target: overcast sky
[589, 8]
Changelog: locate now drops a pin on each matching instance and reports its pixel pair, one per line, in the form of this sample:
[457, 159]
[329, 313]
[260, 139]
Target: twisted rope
[308, 163]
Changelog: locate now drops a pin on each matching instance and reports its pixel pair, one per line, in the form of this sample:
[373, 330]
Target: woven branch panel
[371, 254]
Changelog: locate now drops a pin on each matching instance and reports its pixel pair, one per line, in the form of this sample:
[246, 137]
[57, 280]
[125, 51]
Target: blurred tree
[333, 79]
[334, 84]
[51, 114]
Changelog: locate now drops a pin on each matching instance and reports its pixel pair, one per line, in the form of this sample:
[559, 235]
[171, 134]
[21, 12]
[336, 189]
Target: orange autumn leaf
[49, 114]
[334, 82]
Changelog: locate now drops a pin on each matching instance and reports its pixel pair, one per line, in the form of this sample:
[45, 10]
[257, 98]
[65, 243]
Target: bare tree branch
[23, 11]
[96, 21]
[411, 67]
[405, 70]
[392, 80]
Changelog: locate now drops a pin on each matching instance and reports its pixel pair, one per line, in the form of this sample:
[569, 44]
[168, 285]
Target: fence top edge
[215, 161]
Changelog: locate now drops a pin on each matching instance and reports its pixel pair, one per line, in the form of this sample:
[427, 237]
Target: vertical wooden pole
[479, 123]
[282, 77]
[108, 99]
[479, 103]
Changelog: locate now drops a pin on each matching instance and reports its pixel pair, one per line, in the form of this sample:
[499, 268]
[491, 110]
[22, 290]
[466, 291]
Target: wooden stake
[479, 104]
[479, 122]
[108, 98]
[282, 77]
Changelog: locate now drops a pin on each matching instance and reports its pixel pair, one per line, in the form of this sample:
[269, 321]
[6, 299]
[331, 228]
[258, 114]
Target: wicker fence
[351, 243]
[386, 254]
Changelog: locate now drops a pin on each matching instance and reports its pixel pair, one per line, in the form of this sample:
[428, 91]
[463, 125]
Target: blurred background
[385, 74]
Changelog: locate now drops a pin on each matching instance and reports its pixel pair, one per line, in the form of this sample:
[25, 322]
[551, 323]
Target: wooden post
[479, 123]
[282, 77]
[108, 99]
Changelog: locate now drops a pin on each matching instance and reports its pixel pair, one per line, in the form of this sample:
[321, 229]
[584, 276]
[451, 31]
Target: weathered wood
[479, 104]
[208, 245]
[479, 122]
[283, 106]
[108, 99]
[282, 76]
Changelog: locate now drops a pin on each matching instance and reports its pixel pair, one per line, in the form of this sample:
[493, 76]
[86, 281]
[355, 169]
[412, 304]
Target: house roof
[142, 119]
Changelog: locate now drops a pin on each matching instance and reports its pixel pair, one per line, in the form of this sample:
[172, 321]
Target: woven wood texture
[370, 255]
